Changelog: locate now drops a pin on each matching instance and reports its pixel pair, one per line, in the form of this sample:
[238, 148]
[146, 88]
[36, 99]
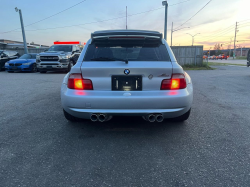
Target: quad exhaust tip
[94, 117]
[153, 117]
[159, 118]
[101, 117]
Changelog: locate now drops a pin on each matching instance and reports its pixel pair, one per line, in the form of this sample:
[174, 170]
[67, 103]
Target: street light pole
[165, 3]
[172, 31]
[23, 32]
[192, 37]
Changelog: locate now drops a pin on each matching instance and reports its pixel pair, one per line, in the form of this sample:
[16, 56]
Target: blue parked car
[26, 62]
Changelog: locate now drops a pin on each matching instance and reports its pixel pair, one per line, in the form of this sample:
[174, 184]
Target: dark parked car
[5, 56]
[26, 62]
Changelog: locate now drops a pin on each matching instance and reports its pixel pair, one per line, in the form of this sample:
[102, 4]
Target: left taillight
[76, 82]
[177, 82]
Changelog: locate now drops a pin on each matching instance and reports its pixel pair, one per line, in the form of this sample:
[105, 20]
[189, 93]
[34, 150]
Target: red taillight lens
[177, 81]
[76, 82]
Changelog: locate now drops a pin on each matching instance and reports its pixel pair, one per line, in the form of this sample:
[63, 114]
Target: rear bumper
[170, 104]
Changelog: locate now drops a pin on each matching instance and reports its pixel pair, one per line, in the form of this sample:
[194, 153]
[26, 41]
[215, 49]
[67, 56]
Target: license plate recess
[126, 82]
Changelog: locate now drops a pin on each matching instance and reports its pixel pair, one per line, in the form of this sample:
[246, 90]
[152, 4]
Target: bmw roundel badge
[126, 71]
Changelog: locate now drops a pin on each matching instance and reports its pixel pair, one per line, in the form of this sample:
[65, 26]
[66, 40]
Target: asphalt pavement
[230, 61]
[39, 147]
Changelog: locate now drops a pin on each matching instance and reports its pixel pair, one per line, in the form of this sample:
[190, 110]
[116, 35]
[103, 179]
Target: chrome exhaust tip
[159, 118]
[151, 118]
[94, 117]
[102, 117]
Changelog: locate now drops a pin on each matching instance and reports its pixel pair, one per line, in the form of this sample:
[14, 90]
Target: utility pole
[165, 3]
[171, 33]
[23, 32]
[230, 47]
[235, 39]
[126, 19]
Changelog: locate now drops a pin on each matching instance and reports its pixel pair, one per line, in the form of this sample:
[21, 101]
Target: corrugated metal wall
[188, 54]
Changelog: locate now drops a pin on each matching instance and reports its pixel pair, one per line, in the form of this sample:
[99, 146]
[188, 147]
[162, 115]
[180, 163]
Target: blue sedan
[26, 62]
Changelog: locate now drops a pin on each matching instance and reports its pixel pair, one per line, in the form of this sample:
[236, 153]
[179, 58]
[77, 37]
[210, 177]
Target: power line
[48, 16]
[194, 14]
[220, 33]
[244, 26]
[214, 37]
[106, 19]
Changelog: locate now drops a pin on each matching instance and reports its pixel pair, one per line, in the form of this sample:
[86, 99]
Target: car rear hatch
[126, 61]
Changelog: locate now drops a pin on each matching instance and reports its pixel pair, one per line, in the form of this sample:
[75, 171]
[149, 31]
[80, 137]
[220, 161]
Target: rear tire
[69, 117]
[183, 117]
[43, 71]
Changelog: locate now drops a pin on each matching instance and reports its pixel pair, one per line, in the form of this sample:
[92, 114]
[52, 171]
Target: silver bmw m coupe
[127, 73]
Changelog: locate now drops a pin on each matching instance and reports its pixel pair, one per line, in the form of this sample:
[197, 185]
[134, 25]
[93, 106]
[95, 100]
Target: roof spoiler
[126, 34]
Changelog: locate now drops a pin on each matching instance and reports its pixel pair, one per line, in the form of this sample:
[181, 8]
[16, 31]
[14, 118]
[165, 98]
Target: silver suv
[128, 73]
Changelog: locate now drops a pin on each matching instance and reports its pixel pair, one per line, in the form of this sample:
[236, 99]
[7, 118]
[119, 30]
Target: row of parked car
[219, 57]
[59, 57]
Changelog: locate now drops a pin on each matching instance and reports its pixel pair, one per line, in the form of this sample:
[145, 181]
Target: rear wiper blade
[102, 59]
[108, 59]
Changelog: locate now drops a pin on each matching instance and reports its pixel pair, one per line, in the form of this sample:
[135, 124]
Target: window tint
[65, 48]
[12, 53]
[128, 50]
[25, 56]
[7, 53]
[33, 56]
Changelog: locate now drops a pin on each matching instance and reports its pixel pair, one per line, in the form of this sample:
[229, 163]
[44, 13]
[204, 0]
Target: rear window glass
[127, 50]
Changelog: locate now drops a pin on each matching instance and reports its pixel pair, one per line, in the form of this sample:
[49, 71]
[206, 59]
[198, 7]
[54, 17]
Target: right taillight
[177, 81]
[76, 82]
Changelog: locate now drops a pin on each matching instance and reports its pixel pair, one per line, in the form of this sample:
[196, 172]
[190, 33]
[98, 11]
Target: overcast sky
[215, 23]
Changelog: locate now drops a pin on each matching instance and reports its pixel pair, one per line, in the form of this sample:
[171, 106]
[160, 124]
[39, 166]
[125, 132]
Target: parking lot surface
[230, 61]
[39, 147]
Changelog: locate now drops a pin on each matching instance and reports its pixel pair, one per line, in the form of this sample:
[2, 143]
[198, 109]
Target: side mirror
[45, 50]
